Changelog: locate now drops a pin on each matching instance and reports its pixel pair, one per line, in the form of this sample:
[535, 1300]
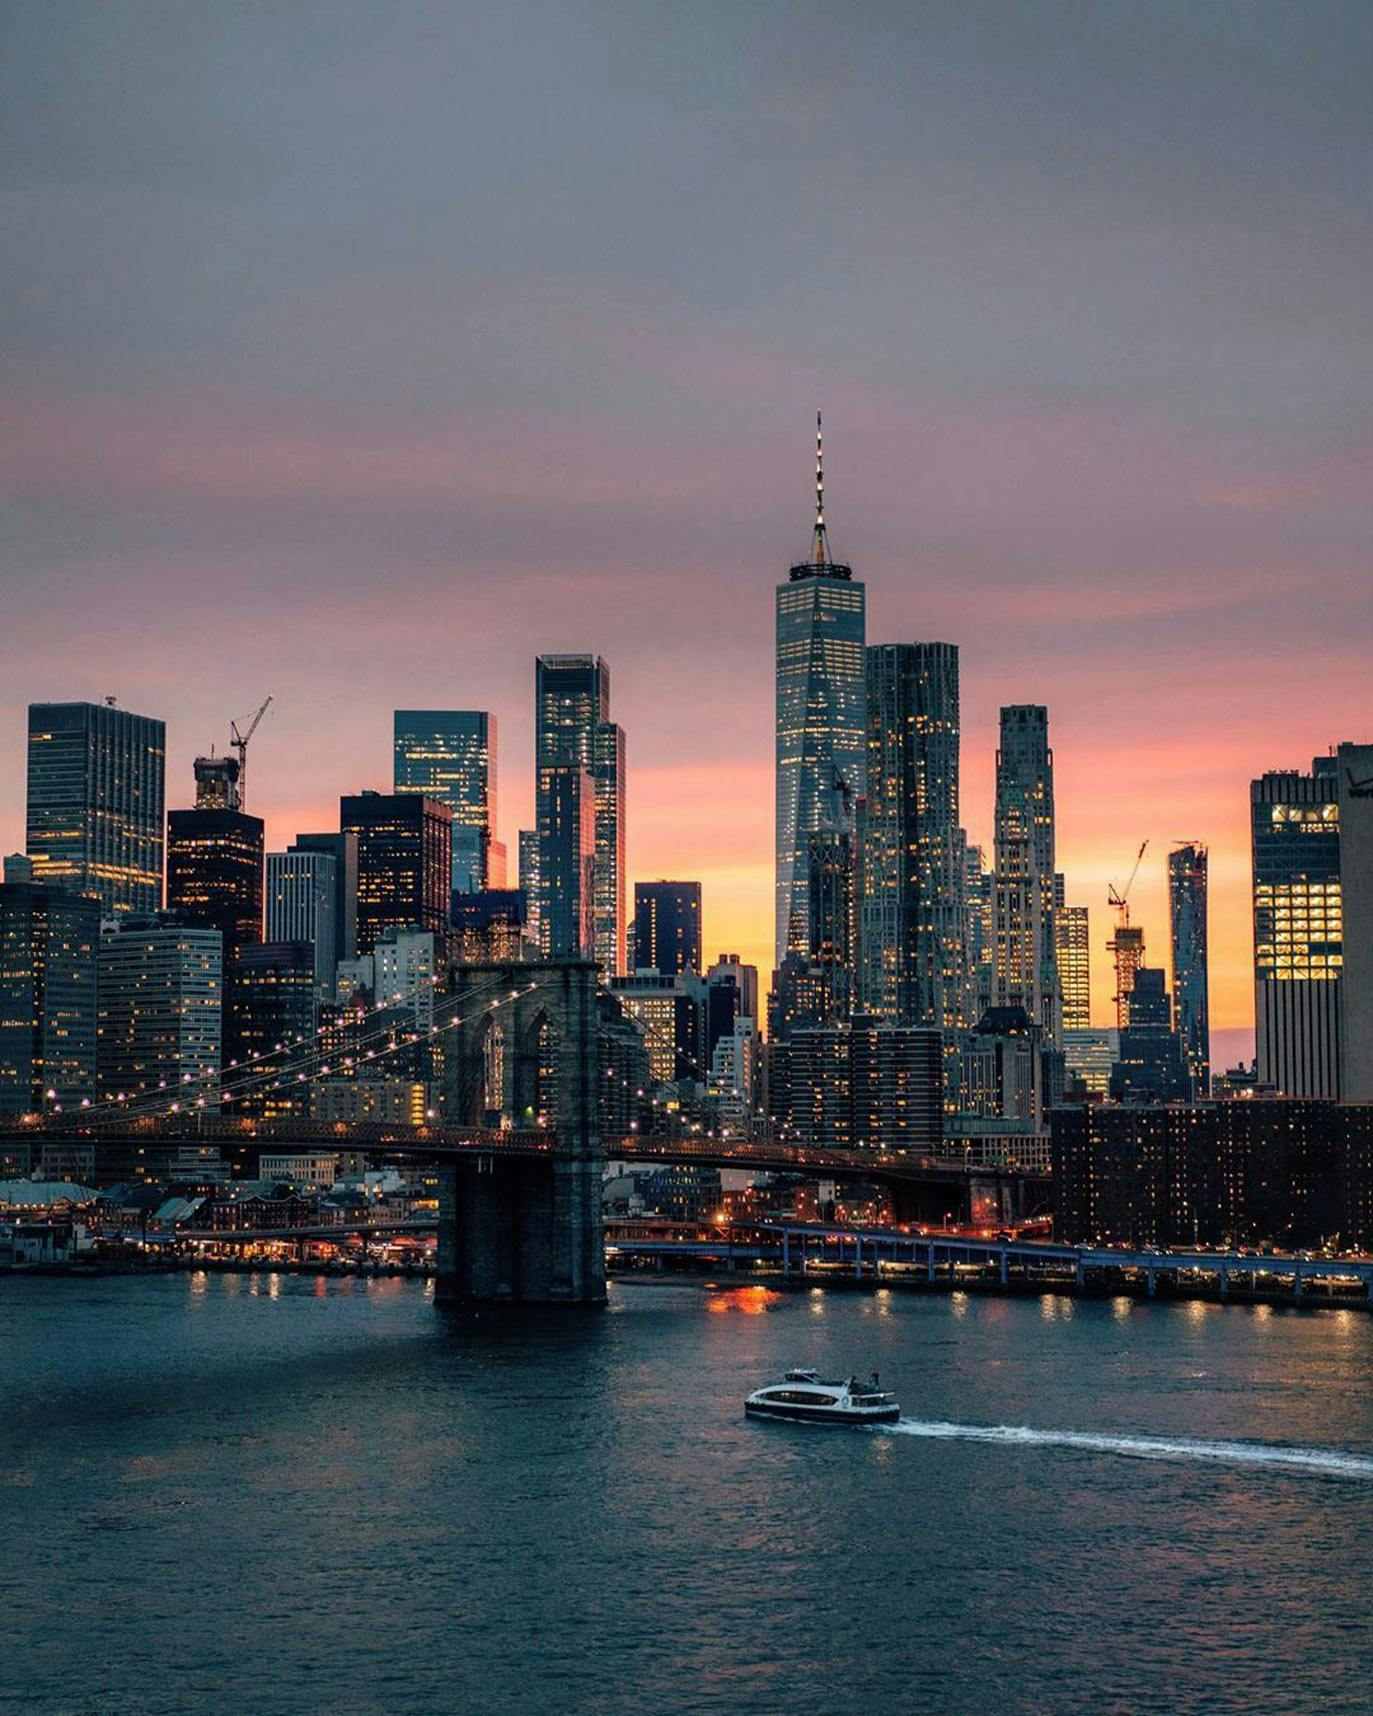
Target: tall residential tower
[579, 760]
[1187, 866]
[1023, 885]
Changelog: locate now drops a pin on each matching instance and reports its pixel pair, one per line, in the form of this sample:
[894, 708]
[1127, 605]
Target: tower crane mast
[240, 744]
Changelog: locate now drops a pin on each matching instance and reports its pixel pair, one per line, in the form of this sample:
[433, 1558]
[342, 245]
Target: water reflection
[752, 1301]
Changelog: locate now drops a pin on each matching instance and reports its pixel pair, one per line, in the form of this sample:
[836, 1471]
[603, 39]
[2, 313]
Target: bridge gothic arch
[524, 1230]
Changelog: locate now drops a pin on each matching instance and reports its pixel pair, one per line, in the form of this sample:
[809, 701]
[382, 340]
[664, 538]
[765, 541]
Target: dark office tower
[450, 755]
[1355, 763]
[96, 783]
[830, 905]
[214, 874]
[667, 927]
[405, 862]
[820, 726]
[48, 943]
[1151, 1067]
[730, 969]
[1023, 882]
[1187, 932]
[1298, 929]
[274, 1003]
[573, 730]
[913, 934]
[343, 849]
[302, 906]
[567, 863]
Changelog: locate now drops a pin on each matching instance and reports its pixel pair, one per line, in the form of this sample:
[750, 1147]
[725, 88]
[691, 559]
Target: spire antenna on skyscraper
[820, 548]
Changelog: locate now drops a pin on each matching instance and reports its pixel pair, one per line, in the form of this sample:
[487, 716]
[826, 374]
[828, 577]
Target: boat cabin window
[799, 1397]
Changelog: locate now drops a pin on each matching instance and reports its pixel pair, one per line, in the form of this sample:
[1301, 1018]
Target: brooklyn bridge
[519, 1143]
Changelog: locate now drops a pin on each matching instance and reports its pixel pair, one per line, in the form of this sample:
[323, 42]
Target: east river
[271, 1494]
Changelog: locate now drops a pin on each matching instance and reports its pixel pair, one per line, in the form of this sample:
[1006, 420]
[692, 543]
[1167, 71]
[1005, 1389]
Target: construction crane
[240, 744]
[1127, 944]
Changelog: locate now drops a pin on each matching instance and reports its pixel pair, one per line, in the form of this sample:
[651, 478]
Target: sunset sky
[357, 353]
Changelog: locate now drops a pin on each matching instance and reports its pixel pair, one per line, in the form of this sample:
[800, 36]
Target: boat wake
[1331, 1461]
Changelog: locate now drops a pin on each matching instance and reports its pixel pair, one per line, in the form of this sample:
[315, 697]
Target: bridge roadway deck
[448, 1143]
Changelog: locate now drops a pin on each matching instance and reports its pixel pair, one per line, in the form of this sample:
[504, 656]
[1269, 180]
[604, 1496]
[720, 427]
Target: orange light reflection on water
[752, 1301]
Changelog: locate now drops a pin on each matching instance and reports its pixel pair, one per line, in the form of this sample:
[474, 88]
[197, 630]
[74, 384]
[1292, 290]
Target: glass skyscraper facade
[913, 933]
[573, 732]
[1298, 929]
[1187, 875]
[821, 729]
[450, 755]
[48, 943]
[96, 797]
[1023, 881]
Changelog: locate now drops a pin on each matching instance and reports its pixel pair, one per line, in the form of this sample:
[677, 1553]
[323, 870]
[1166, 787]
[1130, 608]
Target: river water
[263, 1494]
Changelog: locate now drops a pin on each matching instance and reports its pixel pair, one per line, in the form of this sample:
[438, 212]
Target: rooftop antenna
[820, 549]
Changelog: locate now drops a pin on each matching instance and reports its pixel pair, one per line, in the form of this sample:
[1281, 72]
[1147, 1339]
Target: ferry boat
[803, 1397]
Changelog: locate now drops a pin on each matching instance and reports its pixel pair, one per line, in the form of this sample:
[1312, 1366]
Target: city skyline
[728, 895]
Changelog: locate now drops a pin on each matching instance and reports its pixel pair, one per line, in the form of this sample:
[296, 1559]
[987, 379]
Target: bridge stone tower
[511, 1230]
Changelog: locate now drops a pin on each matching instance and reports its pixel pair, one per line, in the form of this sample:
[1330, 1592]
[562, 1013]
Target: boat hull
[821, 1414]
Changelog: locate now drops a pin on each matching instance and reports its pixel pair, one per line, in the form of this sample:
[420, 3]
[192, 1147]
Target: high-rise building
[671, 1013]
[1298, 929]
[160, 994]
[730, 970]
[821, 724]
[913, 934]
[96, 797]
[343, 849]
[528, 851]
[567, 863]
[1023, 883]
[48, 942]
[978, 931]
[1072, 955]
[405, 862]
[866, 1085]
[450, 755]
[667, 927]
[1187, 865]
[272, 1004]
[831, 905]
[214, 874]
[573, 732]
[1151, 1067]
[302, 906]
[1088, 1056]
[608, 910]
[1355, 764]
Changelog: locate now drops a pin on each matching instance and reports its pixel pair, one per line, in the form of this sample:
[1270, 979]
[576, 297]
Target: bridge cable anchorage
[260, 1075]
